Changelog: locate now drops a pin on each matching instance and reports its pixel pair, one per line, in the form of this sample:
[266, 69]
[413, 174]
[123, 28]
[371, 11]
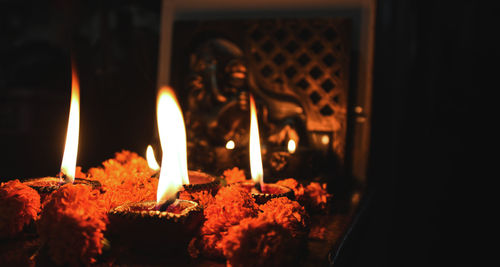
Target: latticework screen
[307, 58]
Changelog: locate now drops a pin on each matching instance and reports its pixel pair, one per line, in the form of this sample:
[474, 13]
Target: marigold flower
[19, 206]
[288, 213]
[291, 183]
[316, 197]
[71, 225]
[125, 178]
[232, 204]
[234, 175]
[203, 197]
[209, 246]
[259, 241]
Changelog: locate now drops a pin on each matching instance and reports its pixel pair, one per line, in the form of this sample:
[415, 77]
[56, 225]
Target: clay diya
[142, 225]
[267, 192]
[47, 185]
[201, 181]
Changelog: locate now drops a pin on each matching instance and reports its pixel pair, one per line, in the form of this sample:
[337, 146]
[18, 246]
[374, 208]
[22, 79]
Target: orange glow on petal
[256, 169]
[174, 171]
[150, 157]
[68, 165]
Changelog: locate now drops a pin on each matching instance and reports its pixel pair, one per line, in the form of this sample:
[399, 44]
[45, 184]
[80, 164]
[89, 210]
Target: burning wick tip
[63, 178]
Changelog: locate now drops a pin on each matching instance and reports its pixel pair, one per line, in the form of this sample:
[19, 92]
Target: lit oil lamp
[46, 185]
[260, 191]
[167, 222]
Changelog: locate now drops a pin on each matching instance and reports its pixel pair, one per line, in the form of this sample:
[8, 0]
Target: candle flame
[292, 146]
[150, 157]
[68, 165]
[256, 169]
[174, 171]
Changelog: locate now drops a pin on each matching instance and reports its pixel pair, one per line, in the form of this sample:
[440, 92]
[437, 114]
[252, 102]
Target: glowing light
[172, 132]
[68, 165]
[325, 139]
[358, 109]
[292, 146]
[256, 169]
[150, 157]
[230, 144]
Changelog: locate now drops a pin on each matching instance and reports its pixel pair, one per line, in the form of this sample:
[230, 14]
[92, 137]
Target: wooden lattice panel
[308, 58]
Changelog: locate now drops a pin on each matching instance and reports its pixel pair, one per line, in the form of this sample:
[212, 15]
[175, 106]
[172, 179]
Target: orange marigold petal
[125, 178]
[234, 175]
[288, 213]
[19, 206]
[259, 241]
[71, 225]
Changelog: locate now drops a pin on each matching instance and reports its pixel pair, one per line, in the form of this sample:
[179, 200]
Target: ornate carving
[297, 71]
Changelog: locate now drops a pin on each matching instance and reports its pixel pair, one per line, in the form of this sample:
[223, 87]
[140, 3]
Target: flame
[174, 171]
[150, 157]
[68, 165]
[255, 154]
[292, 146]
[230, 144]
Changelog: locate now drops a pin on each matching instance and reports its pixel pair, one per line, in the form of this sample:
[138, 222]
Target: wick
[163, 206]
[62, 178]
[258, 187]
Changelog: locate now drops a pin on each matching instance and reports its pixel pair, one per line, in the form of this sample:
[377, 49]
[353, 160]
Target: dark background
[427, 77]
[115, 47]
[427, 157]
